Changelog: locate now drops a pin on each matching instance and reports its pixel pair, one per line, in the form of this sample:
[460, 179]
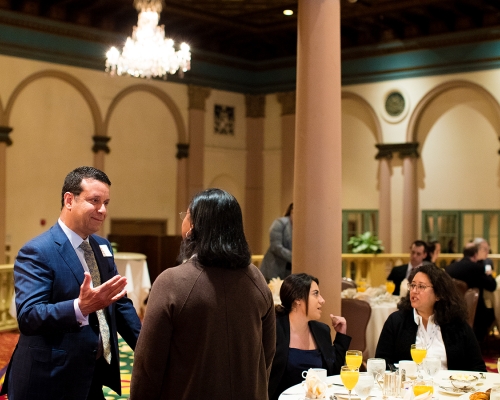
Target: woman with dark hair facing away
[277, 262]
[301, 341]
[209, 330]
[433, 314]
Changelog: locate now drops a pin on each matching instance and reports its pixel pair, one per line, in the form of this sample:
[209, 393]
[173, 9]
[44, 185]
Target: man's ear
[68, 200]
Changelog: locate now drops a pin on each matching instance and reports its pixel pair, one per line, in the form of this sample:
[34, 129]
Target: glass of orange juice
[421, 386]
[349, 377]
[353, 358]
[390, 286]
[418, 353]
[361, 285]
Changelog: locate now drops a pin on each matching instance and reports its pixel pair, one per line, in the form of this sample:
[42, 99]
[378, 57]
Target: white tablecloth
[134, 267]
[380, 312]
[297, 392]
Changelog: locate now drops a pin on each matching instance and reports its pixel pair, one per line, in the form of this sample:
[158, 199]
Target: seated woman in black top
[433, 314]
[301, 341]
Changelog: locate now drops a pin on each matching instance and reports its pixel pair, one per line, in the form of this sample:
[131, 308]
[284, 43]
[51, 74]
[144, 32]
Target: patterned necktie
[96, 281]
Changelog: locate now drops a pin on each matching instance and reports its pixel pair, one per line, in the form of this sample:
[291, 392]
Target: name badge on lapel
[105, 250]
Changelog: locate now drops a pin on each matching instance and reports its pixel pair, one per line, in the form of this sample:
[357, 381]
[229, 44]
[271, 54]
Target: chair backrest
[348, 283]
[461, 286]
[357, 314]
[471, 298]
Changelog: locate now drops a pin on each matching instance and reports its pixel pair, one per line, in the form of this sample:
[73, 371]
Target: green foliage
[365, 243]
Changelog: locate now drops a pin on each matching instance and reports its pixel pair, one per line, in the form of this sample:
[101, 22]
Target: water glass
[432, 365]
[375, 366]
[495, 392]
[364, 385]
[391, 383]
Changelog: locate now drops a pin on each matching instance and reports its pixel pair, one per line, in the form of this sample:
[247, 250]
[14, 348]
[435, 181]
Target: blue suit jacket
[55, 356]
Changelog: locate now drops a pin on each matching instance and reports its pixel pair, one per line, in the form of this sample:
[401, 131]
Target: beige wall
[53, 127]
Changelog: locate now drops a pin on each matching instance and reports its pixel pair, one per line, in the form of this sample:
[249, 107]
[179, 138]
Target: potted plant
[365, 243]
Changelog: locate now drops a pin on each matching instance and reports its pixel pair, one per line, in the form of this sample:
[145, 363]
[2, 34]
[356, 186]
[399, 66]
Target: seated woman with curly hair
[433, 313]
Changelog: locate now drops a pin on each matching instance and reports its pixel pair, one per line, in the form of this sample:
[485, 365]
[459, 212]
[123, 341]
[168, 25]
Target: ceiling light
[147, 53]
[288, 12]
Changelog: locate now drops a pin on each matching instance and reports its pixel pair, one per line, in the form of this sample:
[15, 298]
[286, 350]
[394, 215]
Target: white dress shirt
[431, 338]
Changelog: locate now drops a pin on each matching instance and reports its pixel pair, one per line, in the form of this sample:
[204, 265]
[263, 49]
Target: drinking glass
[418, 353]
[390, 286]
[353, 358]
[375, 366]
[422, 386]
[432, 365]
[364, 385]
[495, 392]
[362, 285]
[498, 365]
[349, 377]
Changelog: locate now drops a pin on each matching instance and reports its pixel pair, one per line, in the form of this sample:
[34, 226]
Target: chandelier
[147, 53]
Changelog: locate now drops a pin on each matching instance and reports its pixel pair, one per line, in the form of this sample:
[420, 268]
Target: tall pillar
[100, 150]
[410, 194]
[182, 200]
[287, 101]
[5, 141]
[384, 207]
[254, 188]
[196, 129]
[317, 229]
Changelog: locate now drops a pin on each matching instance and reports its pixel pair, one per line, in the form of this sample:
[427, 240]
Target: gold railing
[7, 321]
[375, 267]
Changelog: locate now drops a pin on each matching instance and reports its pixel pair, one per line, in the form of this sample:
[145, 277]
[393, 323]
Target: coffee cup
[320, 373]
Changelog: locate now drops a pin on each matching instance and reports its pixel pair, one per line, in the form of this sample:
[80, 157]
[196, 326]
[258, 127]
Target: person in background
[301, 341]
[277, 261]
[418, 252]
[70, 302]
[433, 252]
[476, 276]
[209, 331]
[433, 313]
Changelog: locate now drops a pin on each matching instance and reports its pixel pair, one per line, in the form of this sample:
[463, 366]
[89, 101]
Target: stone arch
[70, 79]
[162, 96]
[369, 109]
[416, 117]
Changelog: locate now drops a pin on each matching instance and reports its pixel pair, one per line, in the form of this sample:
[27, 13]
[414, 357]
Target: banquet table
[380, 312]
[336, 388]
[135, 268]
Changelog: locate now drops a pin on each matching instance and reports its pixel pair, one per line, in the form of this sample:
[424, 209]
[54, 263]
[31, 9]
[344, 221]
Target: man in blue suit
[70, 302]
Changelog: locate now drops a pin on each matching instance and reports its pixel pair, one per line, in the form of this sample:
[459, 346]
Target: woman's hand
[339, 324]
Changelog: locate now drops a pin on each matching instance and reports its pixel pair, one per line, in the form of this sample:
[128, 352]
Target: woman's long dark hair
[216, 238]
[295, 287]
[451, 305]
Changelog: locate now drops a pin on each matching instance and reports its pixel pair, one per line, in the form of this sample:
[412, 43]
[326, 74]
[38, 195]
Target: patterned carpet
[8, 342]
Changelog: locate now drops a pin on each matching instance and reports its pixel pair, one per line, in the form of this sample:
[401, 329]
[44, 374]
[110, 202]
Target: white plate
[453, 393]
[335, 380]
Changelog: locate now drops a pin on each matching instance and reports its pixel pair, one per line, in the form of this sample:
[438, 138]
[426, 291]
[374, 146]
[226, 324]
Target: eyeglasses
[183, 214]
[418, 288]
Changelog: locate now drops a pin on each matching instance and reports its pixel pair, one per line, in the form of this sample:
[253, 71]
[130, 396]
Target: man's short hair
[419, 243]
[470, 250]
[73, 181]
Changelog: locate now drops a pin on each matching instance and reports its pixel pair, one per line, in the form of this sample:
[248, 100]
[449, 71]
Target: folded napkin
[315, 388]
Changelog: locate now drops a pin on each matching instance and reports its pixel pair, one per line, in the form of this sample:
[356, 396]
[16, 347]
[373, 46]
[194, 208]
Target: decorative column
[410, 193]
[182, 200]
[254, 188]
[196, 129]
[287, 101]
[317, 226]
[384, 208]
[5, 141]
[100, 149]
